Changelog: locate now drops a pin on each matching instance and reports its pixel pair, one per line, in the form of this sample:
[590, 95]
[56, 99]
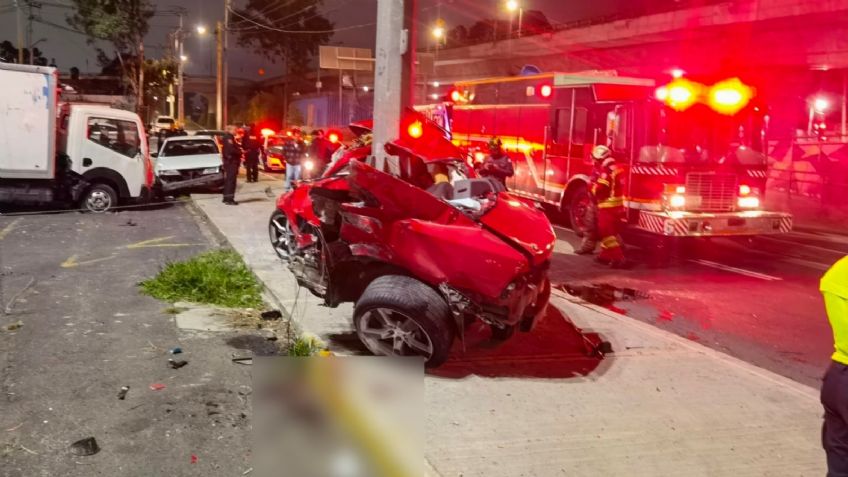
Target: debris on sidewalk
[246, 360]
[14, 326]
[84, 447]
[193, 459]
[176, 350]
[157, 387]
[602, 294]
[122, 394]
[271, 315]
[177, 364]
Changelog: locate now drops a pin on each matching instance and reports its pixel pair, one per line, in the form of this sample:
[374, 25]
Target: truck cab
[109, 150]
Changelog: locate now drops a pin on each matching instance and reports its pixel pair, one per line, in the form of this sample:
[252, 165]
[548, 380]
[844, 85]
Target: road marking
[7, 229]
[808, 263]
[73, 261]
[804, 245]
[157, 242]
[741, 271]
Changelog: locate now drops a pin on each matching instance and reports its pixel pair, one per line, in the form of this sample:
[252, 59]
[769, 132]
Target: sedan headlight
[210, 170]
[169, 173]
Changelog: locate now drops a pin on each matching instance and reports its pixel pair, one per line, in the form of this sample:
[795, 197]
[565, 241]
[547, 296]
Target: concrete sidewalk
[538, 406]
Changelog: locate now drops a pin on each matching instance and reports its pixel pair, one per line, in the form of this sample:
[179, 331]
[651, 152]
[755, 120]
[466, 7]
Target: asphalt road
[757, 301]
[71, 280]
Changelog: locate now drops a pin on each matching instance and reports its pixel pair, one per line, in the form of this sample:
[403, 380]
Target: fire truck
[694, 154]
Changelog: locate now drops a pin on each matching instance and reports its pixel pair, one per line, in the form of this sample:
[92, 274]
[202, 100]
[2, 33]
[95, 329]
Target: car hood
[196, 161]
[523, 224]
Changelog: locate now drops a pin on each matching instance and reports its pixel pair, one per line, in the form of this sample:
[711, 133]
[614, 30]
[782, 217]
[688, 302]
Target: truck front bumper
[208, 180]
[725, 224]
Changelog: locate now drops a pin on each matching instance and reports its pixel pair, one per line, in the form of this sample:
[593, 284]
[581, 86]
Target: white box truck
[91, 156]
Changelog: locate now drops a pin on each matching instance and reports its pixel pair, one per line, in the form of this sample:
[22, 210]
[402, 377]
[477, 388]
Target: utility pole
[393, 85]
[180, 91]
[20, 15]
[228, 4]
[219, 76]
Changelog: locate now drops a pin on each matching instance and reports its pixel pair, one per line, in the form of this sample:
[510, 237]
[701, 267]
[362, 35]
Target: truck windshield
[189, 148]
[699, 134]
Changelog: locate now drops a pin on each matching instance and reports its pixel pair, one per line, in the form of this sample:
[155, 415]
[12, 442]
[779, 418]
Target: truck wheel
[280, 234]
[580, 211]
[400, 316]
[99, 198]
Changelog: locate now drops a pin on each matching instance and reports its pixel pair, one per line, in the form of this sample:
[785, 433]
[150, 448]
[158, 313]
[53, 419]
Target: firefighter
[590, 235]
[608, 189]
[497, 164]
[834, 391]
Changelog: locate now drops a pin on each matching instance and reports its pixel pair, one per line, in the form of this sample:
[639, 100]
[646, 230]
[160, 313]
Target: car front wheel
[401, 316]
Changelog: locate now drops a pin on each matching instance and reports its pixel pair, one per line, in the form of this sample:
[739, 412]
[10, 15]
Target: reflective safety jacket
[834, 288]
[608, 186]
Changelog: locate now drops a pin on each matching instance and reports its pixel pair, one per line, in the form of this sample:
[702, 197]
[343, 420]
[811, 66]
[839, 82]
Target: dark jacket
[230, 150]
[498, 167]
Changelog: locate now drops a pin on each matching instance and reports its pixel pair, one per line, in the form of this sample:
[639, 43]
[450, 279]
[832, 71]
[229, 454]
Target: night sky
[70, 49]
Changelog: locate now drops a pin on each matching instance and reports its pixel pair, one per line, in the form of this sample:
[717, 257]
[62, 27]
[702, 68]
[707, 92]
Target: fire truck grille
[717, 191]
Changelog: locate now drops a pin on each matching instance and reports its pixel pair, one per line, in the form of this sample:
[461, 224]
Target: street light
[511, 7]
[183, 58]
[200, 29]
[438, 32]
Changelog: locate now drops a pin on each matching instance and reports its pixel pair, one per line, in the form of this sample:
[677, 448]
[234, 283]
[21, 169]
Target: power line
[306, 32]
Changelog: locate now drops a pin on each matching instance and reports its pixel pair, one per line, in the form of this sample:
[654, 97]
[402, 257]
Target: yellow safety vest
[834, 288]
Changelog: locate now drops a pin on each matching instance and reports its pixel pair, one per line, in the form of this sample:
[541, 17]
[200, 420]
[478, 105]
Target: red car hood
[523, 224]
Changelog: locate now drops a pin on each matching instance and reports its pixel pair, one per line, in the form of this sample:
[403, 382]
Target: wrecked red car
[421, 253]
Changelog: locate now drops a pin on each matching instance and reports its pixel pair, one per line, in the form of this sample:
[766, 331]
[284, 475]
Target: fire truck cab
[694, 155]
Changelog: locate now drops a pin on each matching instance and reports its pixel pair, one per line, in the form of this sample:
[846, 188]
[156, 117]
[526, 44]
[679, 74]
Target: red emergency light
[680, 94]
[289, 133]
[729, 96]
[267, 132]
[415, 130]
[455, 96]
[334, 138]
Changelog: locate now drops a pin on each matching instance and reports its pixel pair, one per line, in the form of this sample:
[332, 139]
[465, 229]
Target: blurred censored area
[357, 416]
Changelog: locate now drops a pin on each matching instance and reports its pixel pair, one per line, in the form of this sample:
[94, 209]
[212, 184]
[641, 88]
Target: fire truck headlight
[677, 200]
[749, 202]
[308, 165]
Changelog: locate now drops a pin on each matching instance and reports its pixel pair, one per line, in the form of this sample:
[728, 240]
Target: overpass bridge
[788, 49]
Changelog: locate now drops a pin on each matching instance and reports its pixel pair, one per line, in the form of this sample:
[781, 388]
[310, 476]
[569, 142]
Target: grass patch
[174, 310]
[306, 345]
[219, 277]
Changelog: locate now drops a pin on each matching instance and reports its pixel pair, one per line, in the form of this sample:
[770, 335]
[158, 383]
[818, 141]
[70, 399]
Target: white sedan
[188, 162]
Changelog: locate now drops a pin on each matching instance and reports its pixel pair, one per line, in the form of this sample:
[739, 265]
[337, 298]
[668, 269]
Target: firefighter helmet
[601, 153]
[495, 142]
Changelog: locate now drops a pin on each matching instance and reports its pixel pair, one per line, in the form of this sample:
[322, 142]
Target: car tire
[278, 225]
[99, 198]
[396, 303]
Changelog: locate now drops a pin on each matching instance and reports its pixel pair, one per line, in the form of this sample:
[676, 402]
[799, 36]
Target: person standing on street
[497, 164]
[834, 392]
[231, 156]
[250, 144]
[590, 235]
[608, 190]
[320, 151]
[293, 151]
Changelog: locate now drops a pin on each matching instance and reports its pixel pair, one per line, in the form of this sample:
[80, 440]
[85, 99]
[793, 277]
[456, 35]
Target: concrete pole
[180, 91]
[219, 77]
[224, 79]
[393, 85]
[20, 15]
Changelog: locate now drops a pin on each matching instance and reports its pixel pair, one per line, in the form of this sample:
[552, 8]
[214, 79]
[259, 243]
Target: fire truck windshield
[700, 134]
